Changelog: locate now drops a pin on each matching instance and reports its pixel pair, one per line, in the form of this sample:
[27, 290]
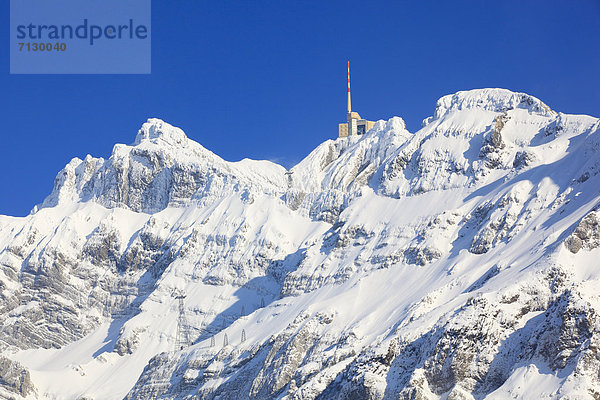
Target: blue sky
[266, 79]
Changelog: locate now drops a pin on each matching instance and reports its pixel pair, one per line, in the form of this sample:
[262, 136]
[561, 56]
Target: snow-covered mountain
[457, 262]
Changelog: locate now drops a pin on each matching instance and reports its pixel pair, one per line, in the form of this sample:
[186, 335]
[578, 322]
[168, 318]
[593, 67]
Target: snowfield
[456, 262]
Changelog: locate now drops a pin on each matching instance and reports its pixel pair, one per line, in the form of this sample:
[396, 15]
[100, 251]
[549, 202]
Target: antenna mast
[349, 106]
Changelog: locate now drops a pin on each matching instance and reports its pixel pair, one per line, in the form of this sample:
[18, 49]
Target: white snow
[376, 232]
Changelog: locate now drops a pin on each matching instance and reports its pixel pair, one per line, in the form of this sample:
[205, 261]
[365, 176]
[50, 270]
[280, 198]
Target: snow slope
[457, 262]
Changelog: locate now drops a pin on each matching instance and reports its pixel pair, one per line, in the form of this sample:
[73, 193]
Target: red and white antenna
[349, 106]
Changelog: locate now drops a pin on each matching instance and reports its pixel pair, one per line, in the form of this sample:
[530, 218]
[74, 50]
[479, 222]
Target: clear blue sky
[266, 79]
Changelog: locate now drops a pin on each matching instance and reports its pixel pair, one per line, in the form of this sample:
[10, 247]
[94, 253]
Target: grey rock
[586, 235]
[15, 378]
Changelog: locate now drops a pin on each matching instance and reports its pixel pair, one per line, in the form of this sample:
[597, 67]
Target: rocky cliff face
[457, 262]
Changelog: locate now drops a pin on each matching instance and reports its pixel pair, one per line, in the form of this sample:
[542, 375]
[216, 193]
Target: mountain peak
[469, 244]
[490, 99]
[158, 131]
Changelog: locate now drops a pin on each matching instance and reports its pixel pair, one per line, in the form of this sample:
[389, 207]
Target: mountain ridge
[453, 262]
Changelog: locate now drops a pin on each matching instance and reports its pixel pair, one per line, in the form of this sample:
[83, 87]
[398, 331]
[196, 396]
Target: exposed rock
[523, 159]
[586, 234]
[493, 143]
[15, 378]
